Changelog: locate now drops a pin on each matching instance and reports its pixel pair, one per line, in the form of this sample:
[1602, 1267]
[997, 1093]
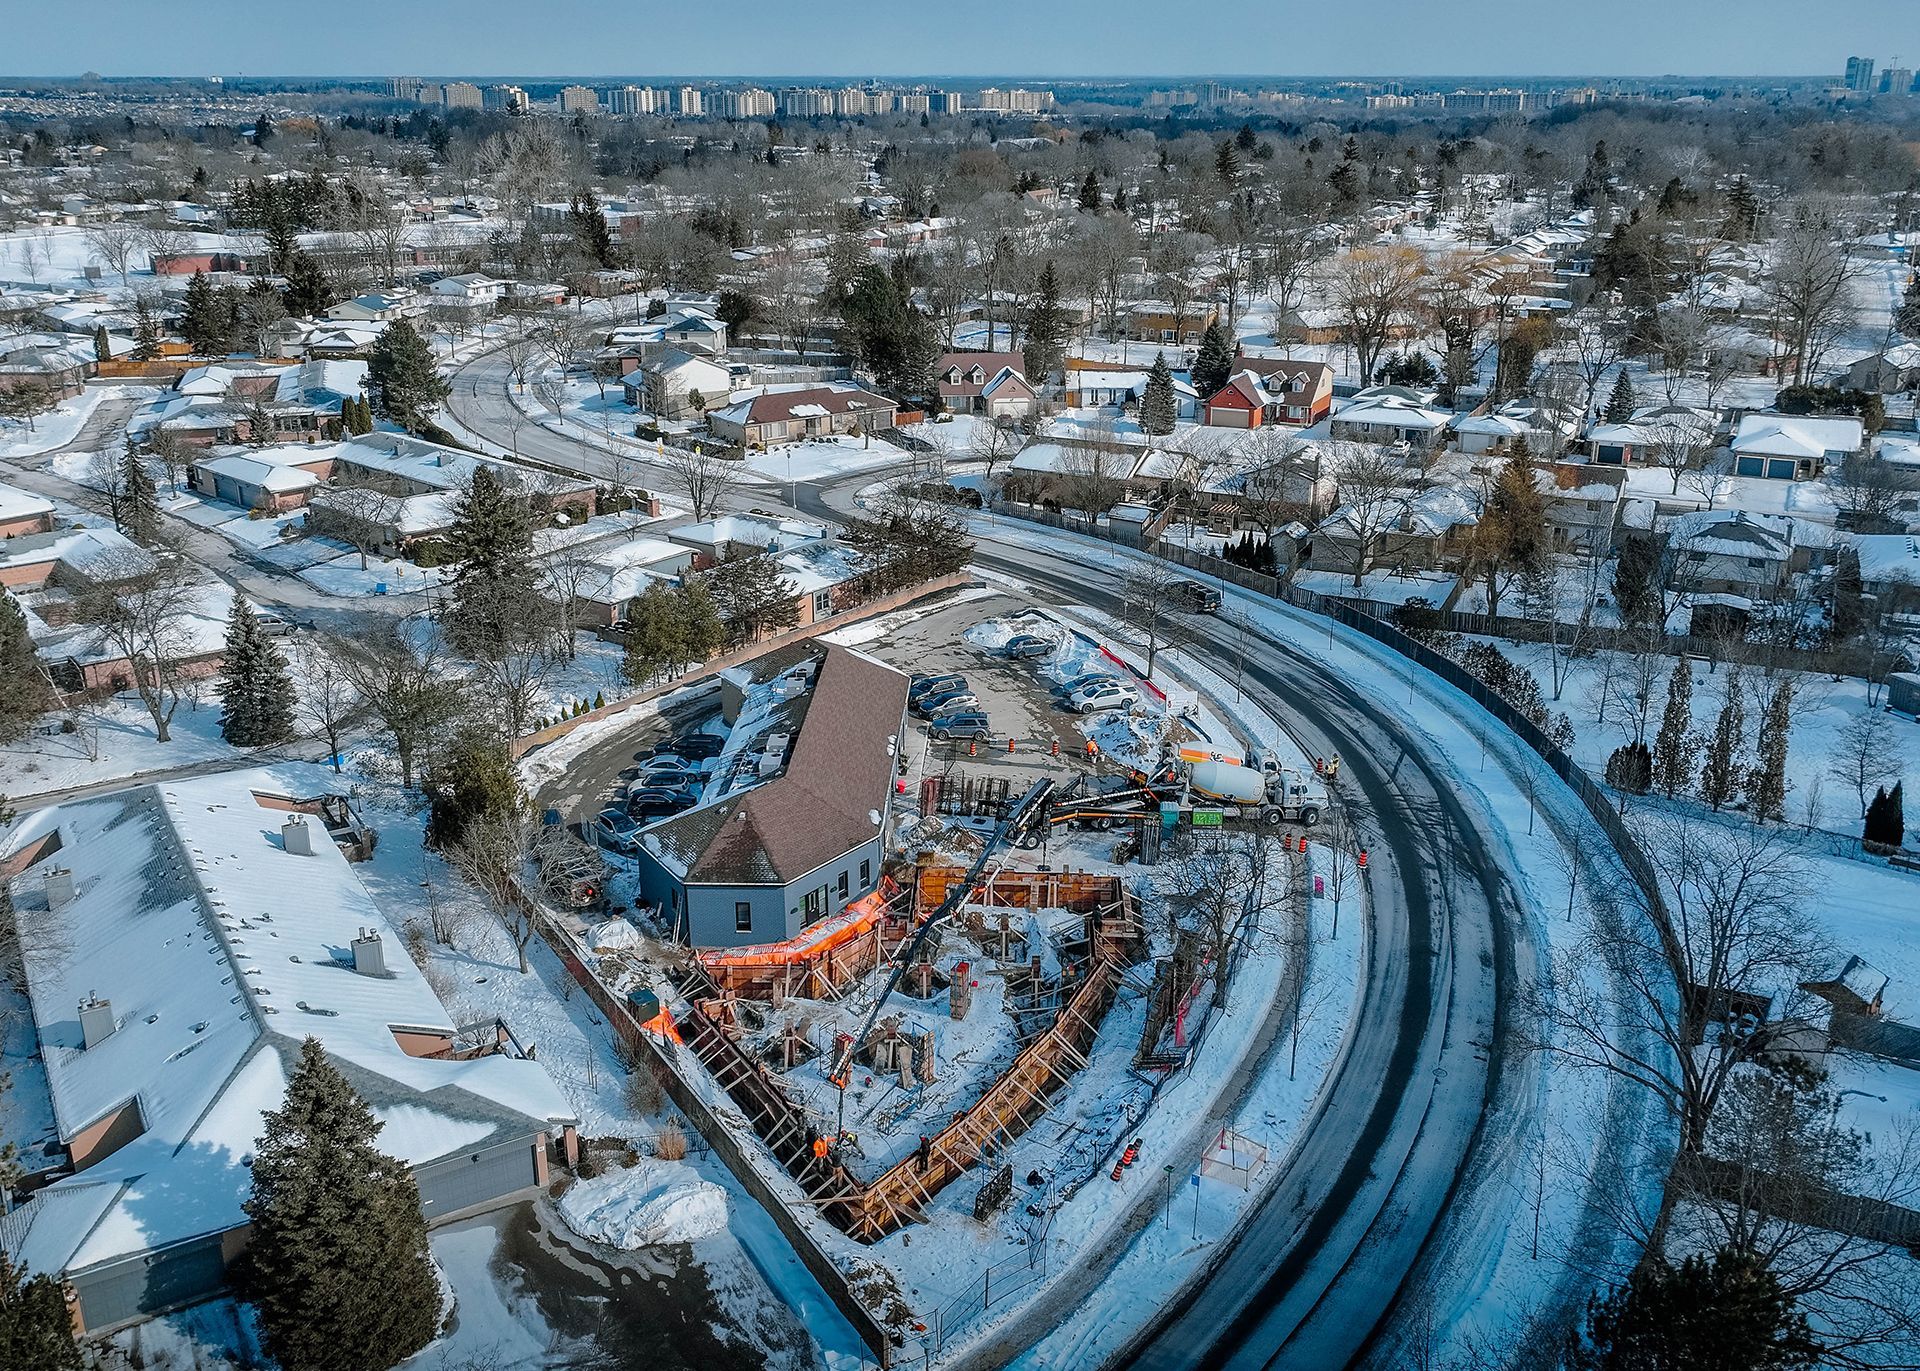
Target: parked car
[655, 802]
[966, 723]
[669, 764]
[1196, 597]
[930, 704]
[1102, 695]
[922, 686]
[274, 625]
[698, 747]
[1024, 645]
[1082, 681]
[668, 778]
[617, 829]
[965, 702]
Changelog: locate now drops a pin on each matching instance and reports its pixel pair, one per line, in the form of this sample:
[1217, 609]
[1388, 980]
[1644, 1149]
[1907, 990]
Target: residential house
[56, 361]
[1092, 385]
[1158, 321]
[1393, 414]
[1656, 434]
[471, 293]
[617, 572]
[378, 307]
[208, 928]
[1731, 553]
[1299, 393]
[270, 479]
[212, 263]
[1794, 447]
[421, 483]
[741, 535]
[962, 378]
[22, 512]
[695, 330]
[1891, 371]
[790, 828]
[1415, 530]
[1889, 570]
[666, 385]
[787, 415]
[1582, 510]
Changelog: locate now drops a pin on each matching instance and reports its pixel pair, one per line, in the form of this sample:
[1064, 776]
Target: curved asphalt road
[1356, 1219]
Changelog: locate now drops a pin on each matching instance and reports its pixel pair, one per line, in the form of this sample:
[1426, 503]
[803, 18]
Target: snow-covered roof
[443, 468]
[22, 504]
[219, 951]
[1797, 435]
[1888, 558]
[265, 468]
[747, 530]
[1066, 458]
[1734, 533]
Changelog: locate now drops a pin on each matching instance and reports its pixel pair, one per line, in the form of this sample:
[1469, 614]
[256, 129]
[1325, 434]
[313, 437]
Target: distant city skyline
[848, 39]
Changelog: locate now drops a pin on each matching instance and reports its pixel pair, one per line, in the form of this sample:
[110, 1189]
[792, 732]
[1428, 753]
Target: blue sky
[550, 38]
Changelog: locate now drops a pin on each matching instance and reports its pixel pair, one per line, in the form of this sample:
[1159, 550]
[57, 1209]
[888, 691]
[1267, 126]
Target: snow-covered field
[55, 428]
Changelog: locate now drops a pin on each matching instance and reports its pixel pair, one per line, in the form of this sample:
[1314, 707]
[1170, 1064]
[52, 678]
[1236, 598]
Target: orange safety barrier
[662, 1024]
[852, 923]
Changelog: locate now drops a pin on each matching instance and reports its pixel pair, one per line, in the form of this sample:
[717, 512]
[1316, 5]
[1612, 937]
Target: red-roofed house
[1272, 390]
[990, 383]
[784, 416]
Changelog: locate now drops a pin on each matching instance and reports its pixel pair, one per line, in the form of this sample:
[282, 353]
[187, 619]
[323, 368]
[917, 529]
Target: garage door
[1751, 466]
[476, 1177]
[1780, 468]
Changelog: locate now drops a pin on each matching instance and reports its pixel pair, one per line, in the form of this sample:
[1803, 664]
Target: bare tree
[1809, 283]
[1377, 494]
[1150, 606]
[703, 478]
[328, 702]
[1370, 291]
[1674, 1014]
[142, 607]
[495, 850]
[1861, 753]
[1873, 495]
[106, 474]
[992, 441]
[361, 510]
[411, 687]
[115, 245]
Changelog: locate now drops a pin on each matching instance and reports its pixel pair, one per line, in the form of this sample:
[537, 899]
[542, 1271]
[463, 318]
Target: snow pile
[614, 933]
[645, 1206]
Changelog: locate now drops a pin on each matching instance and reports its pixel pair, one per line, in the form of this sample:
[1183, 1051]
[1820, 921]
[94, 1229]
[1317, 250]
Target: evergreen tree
[1245, 140]
[1120, 198]
[1767, 783]
[1636, 583]
[1847, 613]
[1672, 750]
[656, 635]
[204, 320]
[102, 348]
[751, 597]
[36, 1332]
[405, 382]
[256, 694]
[1226, 163]
[1090, 194]
[262, 131]
[1045, 347]
[1630, 768]
[1724, 1313]
[309, 292]
[1213, 362]
[494, 585]
[337, 1265]
[1159, 405]
[1886, 824]
[1907, 317]
[146, 332]
[24, 695]
[1720, 774]
[589, 223]
[1743, 212]
[1620, 399]
[471, 777]
[139, 500]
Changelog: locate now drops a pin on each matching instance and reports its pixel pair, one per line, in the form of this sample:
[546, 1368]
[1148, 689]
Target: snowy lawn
[55, 428]
[114, 740]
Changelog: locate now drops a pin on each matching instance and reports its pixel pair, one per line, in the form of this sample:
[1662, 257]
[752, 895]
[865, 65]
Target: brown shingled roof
[839, 770]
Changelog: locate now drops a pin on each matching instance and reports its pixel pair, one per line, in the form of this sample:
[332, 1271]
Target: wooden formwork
[1081, 891]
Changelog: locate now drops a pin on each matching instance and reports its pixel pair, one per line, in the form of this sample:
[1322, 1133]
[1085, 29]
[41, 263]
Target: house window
[866, 873]
[1755, 562]
[742, 917]
[842, 889]
[813, 906]
[822, 603]
[1168, 335]
[1696, 556]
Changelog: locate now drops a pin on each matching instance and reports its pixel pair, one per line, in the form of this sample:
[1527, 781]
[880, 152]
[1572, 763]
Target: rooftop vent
[369, 953]
[59, 887]
[96, 1020]
[296, 837]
